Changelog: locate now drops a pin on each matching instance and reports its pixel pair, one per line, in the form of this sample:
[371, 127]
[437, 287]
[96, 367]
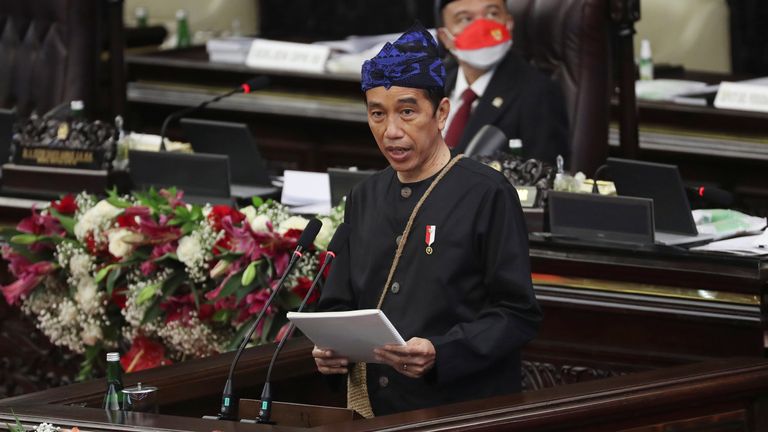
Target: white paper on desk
[755, 245]
[352, 334]
[303, 188]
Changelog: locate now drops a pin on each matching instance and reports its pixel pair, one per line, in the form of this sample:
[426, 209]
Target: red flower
[219, 212]
[178, 308]
[28, 278]
[39, 224]
[119, 299]
[283, 332]
[302, 288]
[144, 354]
[66, 205]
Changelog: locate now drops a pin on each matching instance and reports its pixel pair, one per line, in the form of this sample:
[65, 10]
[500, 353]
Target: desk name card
[743, 97]
[287, 56]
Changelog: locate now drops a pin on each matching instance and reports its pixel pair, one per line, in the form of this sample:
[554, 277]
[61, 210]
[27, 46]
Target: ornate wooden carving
[540, 375]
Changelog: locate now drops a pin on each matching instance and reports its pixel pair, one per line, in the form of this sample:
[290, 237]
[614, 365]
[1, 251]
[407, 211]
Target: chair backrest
[49, 52]
[569, 39]
[201, 175]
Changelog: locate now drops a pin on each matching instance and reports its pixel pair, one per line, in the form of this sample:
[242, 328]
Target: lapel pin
[497, 102]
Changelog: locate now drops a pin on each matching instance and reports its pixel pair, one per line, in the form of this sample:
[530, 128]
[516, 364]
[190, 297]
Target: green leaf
[147, 293]
[222, 316]
[244, 291]
[101, 274]
[232, 284]
[195, 294]
[152, 313]
[268, 321]
[257, 201]
[25, 239]
[240, 334]
[173, 282]
[67, 222]
[249, 274]
[112, 279]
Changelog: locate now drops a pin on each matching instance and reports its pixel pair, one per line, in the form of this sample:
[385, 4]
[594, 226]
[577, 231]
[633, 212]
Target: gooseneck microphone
[712, 195]
[229, 400]
[252, 84]
[336, 244]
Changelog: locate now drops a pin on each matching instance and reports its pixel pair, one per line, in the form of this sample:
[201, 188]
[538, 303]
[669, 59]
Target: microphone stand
[265, 409]
[247, 87]
[229, 400]
[188, 110]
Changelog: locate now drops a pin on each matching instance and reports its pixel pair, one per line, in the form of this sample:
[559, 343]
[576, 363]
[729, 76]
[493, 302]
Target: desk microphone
[255, 83]
[336, 244]
[229, 400]
[487, 141]
[713, 195]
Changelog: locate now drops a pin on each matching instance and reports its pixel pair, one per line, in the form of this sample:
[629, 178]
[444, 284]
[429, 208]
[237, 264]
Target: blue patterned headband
[410, 61]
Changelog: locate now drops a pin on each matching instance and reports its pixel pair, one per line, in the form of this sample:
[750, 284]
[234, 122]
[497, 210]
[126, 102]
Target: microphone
[255, 83]
[337, 242]
[229, 400]
[713, 195]
[488, 140]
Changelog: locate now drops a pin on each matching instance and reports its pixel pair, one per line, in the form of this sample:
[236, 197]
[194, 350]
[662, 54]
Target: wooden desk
[719, 394]
[728, 148]
[609, 311]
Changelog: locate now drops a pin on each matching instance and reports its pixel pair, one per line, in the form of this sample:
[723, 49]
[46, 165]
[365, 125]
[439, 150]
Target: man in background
[491, 83]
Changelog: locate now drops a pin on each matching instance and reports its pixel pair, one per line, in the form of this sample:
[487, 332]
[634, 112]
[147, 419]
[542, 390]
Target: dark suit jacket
[532, 109]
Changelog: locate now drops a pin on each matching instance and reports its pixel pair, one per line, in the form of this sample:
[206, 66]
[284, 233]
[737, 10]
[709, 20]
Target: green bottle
[113, 399]
[142, 16]
[183, 37]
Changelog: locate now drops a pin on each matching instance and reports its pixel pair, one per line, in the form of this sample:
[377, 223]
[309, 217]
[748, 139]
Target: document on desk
[307, 192]
[352, 334]
[755, 245]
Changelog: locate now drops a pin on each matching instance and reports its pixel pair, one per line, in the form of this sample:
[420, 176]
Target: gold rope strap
[357, 386]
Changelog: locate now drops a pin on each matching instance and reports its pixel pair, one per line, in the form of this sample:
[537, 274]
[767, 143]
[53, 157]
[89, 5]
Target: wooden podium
[722, 394]
[298, 415]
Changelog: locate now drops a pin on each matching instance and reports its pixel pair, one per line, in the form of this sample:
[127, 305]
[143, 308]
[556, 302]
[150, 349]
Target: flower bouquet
[148, 271]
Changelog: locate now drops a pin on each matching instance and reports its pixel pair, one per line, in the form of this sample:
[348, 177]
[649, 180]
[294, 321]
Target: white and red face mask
[482, 44]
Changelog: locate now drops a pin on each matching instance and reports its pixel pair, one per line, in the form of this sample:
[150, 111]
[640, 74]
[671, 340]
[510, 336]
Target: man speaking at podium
[439, 244]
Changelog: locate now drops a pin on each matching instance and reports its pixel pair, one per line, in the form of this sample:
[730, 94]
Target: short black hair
[434, 94]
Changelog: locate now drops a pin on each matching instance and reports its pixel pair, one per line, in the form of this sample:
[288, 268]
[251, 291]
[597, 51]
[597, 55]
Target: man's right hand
[327, 362]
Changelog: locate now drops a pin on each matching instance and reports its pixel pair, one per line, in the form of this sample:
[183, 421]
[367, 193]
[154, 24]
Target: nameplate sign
[743, 97]
[287, 56]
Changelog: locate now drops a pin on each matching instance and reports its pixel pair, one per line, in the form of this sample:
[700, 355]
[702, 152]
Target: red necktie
[453, 135]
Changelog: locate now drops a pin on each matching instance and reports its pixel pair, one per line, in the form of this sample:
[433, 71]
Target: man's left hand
[414, 359]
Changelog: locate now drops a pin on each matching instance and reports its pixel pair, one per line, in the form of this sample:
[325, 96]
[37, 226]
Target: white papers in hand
[351, 334]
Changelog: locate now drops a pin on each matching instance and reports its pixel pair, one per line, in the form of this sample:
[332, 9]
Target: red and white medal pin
[430, 238]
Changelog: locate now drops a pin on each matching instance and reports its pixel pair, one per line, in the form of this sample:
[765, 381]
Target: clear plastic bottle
[516, 147]
[120, 162]
[113, 398]
[183, 35]
[646, 60]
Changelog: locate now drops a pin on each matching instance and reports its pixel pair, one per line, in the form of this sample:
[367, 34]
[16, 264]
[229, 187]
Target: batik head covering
[410, 61]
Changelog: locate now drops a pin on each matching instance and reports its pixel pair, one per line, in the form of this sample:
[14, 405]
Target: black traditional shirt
[471, 297]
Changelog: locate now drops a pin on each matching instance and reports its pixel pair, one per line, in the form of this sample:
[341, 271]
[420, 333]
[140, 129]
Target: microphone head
[339, 238]
[488, 140]
[309, 233]
[255, 83]
[713, 195]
